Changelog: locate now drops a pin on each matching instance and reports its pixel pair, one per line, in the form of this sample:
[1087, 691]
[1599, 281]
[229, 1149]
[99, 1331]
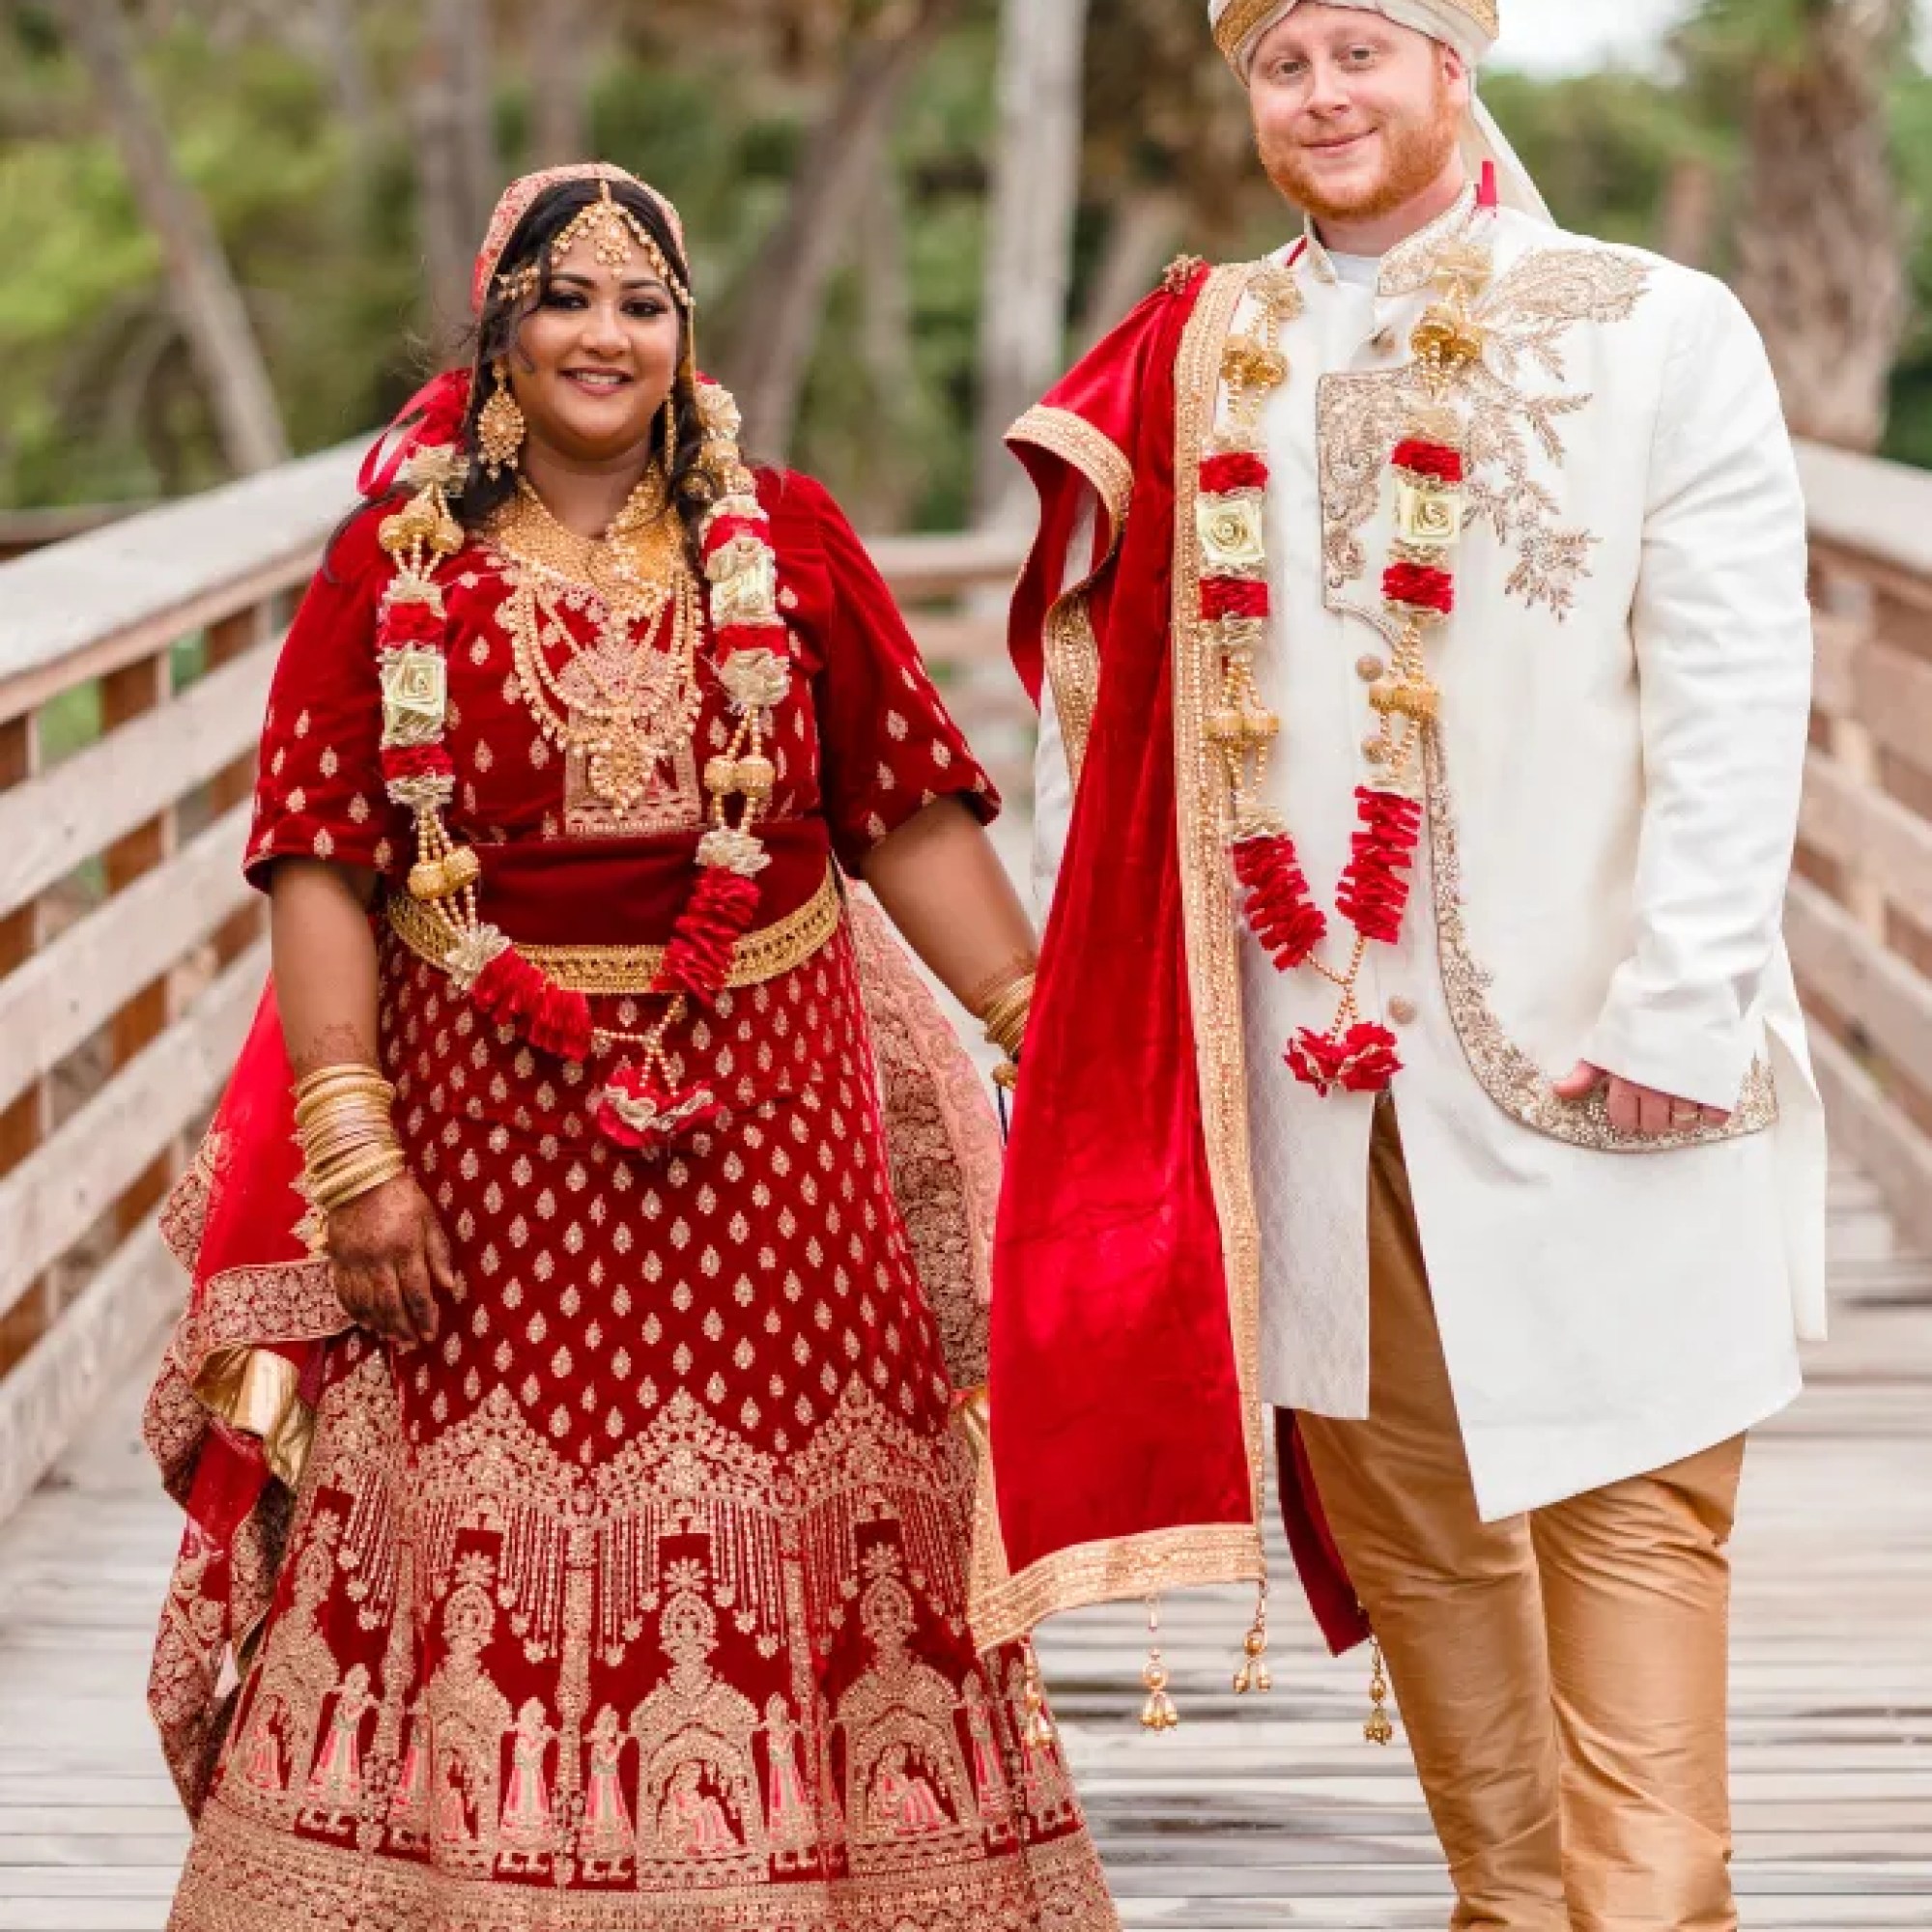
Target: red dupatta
[1127, 1437]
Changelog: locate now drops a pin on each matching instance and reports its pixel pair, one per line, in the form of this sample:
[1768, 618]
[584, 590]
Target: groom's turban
[1471, 26]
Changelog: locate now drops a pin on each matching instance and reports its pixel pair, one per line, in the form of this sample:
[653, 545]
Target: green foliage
[98, 398]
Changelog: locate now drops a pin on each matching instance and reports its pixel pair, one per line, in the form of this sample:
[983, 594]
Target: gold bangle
[340, 1151]
[335, 1138]
[343, 1120]
[319, 1105]
[1006, 1017]
[349, 1073]
[341, 1189]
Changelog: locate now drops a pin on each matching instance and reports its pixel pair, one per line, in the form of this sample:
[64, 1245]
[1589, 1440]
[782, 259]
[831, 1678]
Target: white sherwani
[1613, 810]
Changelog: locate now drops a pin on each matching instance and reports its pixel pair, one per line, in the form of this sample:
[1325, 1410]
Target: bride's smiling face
[596, 358]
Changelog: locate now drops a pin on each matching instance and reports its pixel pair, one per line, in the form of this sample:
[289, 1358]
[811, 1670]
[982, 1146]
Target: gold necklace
[620, 706]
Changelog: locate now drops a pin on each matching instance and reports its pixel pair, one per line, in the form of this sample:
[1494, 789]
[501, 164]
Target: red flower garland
[1234, 597]
[1440, 462]
[1374, 892]
[1236, 470]
[1421, 587]
[1361, 1061]
[697, 961]
[1280, 910]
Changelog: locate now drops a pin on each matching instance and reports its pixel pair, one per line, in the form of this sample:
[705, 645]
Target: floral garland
[640, 1106]
[1355, 1053]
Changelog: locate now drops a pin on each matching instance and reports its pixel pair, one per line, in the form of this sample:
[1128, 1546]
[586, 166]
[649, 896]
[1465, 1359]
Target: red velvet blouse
[862, 742]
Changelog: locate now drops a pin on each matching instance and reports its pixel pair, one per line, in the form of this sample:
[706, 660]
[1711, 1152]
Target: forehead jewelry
[612, 232]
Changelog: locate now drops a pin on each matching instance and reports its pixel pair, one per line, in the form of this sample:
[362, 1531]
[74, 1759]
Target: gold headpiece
[612, 232]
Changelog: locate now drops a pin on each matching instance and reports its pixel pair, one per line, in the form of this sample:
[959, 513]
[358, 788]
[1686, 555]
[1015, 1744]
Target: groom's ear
[1455, 74]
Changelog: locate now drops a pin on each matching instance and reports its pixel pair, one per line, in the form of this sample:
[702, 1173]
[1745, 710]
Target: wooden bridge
[134, 660]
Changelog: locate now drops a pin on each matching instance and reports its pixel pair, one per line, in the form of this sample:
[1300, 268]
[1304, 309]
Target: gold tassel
[1379, 1730]
[1159, 1714]
[1038, 1718]
[1253, 1674]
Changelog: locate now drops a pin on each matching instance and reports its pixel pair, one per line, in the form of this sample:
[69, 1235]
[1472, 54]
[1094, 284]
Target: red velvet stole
[1116, 1407]
[1114, 1395]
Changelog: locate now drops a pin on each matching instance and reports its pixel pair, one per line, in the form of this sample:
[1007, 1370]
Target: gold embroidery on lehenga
[1511, 1077]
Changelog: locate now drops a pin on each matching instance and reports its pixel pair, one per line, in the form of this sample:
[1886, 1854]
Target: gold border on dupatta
[1006, 1607]
[1207, 879]
[1071, 650]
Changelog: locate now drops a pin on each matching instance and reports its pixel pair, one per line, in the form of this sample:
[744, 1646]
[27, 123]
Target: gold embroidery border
[1118, 1570]
[1504, 1071]
[765, 954]
[1072, 651]
[1094, 454]
[1074, 669]
[1211, 918]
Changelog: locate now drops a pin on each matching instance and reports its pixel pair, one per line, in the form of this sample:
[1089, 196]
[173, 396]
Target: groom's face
[1354, 115]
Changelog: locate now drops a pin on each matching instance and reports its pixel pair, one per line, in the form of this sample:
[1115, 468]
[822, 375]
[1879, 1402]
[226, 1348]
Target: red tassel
[719, 912]
[1280, 911]
[1374, 894]
[635, 1112]
[1362, 1060]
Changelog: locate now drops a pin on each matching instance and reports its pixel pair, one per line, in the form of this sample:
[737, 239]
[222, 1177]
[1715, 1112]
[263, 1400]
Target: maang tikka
[501, 428]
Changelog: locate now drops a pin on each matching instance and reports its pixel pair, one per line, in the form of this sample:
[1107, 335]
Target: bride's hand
[389, 1260]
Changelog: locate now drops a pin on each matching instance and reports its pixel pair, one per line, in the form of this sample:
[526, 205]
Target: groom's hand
[1638, 1110]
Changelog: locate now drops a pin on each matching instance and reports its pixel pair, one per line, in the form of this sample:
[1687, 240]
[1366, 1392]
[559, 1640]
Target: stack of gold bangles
[1005, 1019]
[347, 1139]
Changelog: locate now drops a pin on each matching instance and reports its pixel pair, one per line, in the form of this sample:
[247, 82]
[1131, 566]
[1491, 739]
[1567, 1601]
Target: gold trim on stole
[1072, 651]
[1006, 1607]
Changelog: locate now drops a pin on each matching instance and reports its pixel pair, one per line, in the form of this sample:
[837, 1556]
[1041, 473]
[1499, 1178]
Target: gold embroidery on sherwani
[1511, 1077]
[1006, 1608]
[1073, 652]
[1526, 316]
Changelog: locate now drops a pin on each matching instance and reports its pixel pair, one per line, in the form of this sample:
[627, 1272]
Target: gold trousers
[1562, 1676]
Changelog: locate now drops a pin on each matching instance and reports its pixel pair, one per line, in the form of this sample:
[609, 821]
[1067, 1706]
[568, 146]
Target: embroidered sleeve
[888, 746]
[319, 789]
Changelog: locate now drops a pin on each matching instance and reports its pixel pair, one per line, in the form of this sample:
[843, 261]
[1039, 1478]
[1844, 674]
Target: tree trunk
[771, 350]
[559, 54]
[1140, 242]
[337, 32]
[1687, 222]
[454, 159]
[1822, 244]
[213, 317]
[1029, 258]
[893, 469]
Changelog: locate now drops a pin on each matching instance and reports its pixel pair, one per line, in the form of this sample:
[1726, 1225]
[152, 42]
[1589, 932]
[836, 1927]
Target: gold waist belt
[760, 955]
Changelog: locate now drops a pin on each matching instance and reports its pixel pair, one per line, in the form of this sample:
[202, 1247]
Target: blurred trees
[836, 162]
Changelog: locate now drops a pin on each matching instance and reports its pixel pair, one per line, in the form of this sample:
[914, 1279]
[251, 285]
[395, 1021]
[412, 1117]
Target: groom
[1419, 624]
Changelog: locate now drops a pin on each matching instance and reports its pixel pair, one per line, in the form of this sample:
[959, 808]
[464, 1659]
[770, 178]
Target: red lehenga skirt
[638, 1600]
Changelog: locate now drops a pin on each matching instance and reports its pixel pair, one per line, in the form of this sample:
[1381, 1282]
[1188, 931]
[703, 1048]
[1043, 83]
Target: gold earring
[501, 428]
[670, 435]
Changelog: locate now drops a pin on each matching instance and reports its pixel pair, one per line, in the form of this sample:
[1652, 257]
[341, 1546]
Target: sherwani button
[1370, 668]
[1402, 1011]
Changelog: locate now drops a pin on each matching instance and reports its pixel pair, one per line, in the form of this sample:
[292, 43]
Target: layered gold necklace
[622, 707]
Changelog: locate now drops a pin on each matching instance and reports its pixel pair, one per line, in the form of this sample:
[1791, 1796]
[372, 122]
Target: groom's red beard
[1414, 150]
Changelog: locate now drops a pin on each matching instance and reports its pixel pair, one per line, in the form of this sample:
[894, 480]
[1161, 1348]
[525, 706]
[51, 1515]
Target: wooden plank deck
[1255, 1815]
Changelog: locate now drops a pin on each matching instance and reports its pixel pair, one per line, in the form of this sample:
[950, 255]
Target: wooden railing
[134, 661]
[1859, 914]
